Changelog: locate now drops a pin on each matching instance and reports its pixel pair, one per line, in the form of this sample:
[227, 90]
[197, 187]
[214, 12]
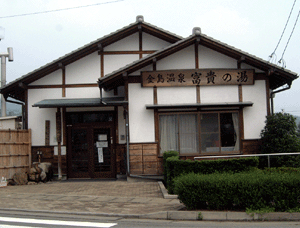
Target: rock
[20, 178]
[43, 176]
[43, 172]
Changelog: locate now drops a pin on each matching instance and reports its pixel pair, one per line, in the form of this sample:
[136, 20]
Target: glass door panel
[210, 137]
[79, 156]
[102, 150]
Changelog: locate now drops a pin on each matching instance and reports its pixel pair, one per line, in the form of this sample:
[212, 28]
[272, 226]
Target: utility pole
[3, 56]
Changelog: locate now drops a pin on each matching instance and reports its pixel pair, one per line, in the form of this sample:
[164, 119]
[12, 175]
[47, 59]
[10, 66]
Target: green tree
[280, 136]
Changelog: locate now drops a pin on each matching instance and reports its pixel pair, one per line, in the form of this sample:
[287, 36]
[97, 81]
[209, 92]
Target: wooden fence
[15, 152]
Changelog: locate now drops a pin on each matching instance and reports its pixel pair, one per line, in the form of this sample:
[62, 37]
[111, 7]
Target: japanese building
[116, 104]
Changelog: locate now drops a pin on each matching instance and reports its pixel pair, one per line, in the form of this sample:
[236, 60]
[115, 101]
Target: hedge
[175, 167]
[289, 170]
[239, 191]
[166, 155]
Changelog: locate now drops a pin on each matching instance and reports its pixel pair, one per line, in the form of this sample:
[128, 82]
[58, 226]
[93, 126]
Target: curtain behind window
[188, 134]
[235, 119]
[168, 128]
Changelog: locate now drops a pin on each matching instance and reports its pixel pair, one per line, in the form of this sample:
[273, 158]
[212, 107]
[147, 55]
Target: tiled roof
[93, 43]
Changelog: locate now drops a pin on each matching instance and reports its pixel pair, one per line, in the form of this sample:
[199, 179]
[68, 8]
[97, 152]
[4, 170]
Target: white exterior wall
[176, 95]
[8, 123]
[130, 43]
[219, 93]
[38, 116]
[115, 62]
[141, 120]
[85, 70]
[184, 59]
[211, 59]
[55, 78]
[151, 43]
[255, 116]
[83, 92]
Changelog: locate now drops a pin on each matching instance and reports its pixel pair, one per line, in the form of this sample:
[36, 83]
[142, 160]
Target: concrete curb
[164, 191]
[173, 215]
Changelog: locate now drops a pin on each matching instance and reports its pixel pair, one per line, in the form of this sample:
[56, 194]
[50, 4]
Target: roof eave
[88, 49]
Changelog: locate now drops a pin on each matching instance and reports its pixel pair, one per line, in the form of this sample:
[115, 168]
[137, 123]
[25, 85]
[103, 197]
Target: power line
[281, 59]
[51, 11]
[273, 53]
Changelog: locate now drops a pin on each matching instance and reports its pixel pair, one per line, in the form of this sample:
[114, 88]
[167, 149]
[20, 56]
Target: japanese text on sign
[197, 77]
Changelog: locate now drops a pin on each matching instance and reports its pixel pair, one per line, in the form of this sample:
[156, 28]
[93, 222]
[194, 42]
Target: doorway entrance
[91, 147]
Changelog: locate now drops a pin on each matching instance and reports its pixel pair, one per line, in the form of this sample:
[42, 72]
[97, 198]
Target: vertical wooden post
[47, 132]
[64, 126]
[197, 67]
[154, 95]
[140, 41]
[58, 138]
[29, 148]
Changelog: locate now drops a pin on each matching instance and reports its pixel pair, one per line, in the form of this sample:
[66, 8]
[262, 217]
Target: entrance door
[90, 151]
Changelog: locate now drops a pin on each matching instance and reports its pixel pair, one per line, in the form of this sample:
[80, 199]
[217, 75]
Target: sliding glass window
[203, 133]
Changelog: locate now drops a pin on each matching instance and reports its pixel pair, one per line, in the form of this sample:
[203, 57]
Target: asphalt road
[32, 220]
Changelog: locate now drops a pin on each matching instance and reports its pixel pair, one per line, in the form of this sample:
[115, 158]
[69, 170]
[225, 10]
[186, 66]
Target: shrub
[280, 136]
[176, 167]
[289, 170]
[167, 155]
[253, 190]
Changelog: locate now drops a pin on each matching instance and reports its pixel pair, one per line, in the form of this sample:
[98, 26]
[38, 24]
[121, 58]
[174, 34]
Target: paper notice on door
[100, 155]
[102, 144]
[102, 137]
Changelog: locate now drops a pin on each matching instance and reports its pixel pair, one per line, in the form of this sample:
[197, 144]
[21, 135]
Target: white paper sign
[102, 137]
[102, 144]
[100, 155]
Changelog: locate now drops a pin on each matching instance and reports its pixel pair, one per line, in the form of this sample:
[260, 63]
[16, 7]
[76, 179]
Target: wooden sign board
[203, 77]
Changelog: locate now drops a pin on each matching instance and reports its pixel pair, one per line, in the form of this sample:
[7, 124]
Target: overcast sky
[253, 26]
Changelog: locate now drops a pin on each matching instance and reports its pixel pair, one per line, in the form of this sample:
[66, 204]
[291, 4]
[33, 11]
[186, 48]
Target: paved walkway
[110, 197]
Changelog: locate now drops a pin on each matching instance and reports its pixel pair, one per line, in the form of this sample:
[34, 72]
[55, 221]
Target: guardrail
[248, 155]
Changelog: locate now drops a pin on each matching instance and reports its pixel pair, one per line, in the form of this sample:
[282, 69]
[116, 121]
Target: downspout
[272, 95]
[127, 140]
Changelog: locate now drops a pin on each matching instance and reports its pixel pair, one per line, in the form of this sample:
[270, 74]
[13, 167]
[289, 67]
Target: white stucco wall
[38, 116]
[152, 43]
[255, 116]
[141, 120]
[176, 95]
[115, 62]
[83, 92]
[55, 78]
[184, 59]
[209, 58]
[85, 70]
[215, 94]
[6, 123]
[130, 43]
